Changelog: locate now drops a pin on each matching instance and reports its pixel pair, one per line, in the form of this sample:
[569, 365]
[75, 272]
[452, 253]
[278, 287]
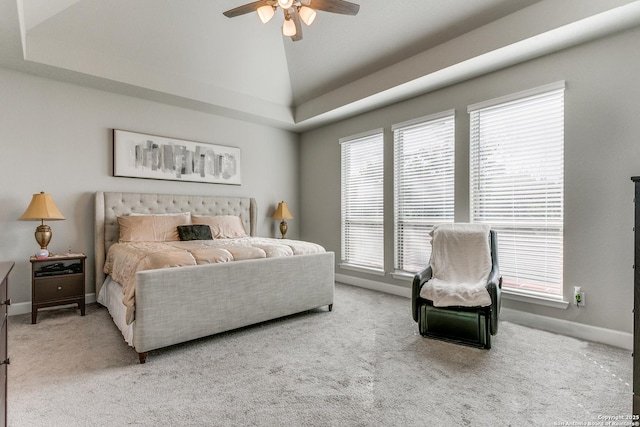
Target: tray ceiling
[187, 53]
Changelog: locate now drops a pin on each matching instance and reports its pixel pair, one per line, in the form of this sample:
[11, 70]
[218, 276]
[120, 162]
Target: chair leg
[487, 332]
[487, 345]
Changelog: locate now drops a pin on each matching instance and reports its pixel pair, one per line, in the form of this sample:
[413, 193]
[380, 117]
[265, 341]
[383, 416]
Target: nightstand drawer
[54, 288]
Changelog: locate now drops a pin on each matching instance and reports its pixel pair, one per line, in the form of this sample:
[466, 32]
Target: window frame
[549, 217]
[422, 188]
[362, 218]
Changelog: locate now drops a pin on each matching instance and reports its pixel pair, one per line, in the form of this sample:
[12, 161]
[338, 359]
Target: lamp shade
[289, 28]
[307, 15]
[282, 212]
[285, 4]
[41, 208]
[265, 13]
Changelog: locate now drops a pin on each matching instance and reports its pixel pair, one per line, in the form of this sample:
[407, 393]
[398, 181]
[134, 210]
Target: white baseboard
[559, 326]
[25, 307]
[374, 286]
[572, 329]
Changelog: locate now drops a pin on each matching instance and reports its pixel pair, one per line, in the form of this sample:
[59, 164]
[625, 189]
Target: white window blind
[362, 201]
[517, 185]
[424, 165]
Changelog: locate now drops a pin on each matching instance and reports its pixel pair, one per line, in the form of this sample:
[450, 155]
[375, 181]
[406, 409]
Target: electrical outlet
[578, 297]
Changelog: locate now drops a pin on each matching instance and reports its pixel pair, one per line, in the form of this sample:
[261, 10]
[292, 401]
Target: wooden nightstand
[57, 280]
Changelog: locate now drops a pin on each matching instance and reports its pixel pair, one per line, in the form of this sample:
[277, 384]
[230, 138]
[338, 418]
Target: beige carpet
[364, 364]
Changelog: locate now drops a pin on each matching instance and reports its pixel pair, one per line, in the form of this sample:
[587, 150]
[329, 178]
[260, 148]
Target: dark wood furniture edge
[636, 299]
[5, 269]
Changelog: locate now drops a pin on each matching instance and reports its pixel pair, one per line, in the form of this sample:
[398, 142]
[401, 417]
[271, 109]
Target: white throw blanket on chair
[461, 263]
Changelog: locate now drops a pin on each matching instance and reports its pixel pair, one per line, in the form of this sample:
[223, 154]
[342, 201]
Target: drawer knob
[59, 288]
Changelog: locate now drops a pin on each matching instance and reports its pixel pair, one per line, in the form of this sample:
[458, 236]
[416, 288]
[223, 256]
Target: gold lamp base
[43, 235]
[283, 228]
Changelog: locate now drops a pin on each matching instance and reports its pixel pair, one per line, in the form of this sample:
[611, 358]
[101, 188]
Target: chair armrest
[418, 280]
[494, 283]
[494, 287]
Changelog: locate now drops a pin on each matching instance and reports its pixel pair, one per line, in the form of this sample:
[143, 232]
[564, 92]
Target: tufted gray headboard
[109, 205]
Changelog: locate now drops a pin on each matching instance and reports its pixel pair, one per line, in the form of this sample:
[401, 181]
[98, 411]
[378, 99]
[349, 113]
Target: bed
[175, 305]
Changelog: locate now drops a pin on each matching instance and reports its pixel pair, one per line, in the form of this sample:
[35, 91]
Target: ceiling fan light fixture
[295, 12]
[288, 28]
[285, 4]
[307, 15]
[265, 13]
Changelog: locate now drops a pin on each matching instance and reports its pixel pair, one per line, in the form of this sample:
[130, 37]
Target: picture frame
[138, 155]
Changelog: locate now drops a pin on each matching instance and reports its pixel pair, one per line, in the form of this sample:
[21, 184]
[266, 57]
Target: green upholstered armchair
[462, 324]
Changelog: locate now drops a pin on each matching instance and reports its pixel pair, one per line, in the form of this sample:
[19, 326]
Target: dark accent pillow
[194, 232]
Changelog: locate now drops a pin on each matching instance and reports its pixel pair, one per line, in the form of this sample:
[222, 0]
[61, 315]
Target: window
[423, 185]
[517, 185]
[362, 201]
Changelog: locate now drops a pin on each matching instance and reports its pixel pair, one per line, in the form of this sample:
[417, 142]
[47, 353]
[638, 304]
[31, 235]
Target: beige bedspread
[125, 259]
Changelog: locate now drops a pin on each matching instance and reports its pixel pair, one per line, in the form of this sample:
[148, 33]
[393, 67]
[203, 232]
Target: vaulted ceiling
[186, 53]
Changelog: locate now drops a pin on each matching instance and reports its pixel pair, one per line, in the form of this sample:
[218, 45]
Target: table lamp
[282, 213]
[42, 208]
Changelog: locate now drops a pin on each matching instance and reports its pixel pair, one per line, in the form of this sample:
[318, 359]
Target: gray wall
[602, 151]
[56, 137]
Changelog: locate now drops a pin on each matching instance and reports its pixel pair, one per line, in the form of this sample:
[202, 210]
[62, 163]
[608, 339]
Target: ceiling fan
[294, 12]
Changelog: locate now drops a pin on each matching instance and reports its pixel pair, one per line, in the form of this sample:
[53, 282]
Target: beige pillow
[222, 226]
[152, 228]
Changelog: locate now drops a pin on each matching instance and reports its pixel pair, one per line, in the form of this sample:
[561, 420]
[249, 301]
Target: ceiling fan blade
[335, 6]
[244, 9]
[295, 17]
